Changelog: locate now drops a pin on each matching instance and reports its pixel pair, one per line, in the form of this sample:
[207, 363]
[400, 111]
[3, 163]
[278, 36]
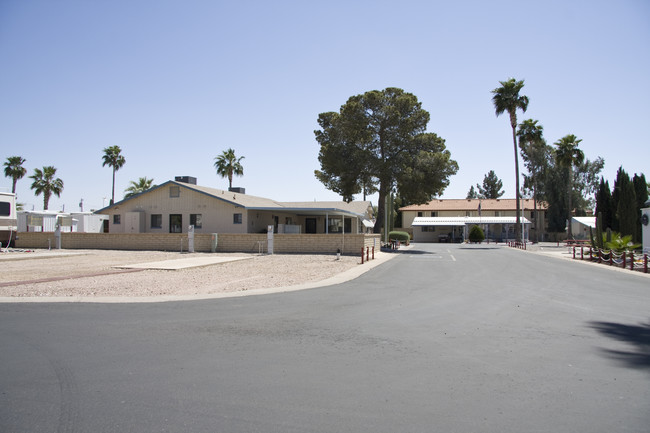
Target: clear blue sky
[174, 83]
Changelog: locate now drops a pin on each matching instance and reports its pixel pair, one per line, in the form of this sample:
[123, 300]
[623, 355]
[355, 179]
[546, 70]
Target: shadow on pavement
[636, 335]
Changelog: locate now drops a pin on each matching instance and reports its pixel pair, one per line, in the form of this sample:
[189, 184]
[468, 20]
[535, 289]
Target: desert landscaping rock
[94, 273]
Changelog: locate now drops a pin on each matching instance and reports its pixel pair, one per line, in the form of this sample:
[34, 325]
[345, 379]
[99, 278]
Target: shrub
[399, 236]
[476, 235]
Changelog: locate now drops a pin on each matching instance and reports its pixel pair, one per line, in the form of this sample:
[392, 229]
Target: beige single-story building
[448, 220]
[175, 205]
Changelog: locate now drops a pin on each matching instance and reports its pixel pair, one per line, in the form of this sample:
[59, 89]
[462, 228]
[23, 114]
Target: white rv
[8, 220]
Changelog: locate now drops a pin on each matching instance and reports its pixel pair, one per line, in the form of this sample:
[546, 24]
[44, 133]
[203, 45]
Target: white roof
[587, 221]
[461, 221]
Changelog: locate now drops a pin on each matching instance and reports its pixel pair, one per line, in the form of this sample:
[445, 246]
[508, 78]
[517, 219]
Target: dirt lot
[92, 273]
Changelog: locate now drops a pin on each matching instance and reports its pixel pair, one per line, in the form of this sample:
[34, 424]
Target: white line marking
[452, 257]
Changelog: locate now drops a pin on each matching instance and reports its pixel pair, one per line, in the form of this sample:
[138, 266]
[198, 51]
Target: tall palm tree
[15, 170]
[227, 165]
[567, 155]
[138, 187]
[507, 99]
[534, 153]
[45, 183]
[113, 158]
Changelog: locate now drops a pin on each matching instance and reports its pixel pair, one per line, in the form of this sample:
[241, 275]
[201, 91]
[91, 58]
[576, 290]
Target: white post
[645, 228]
[269, 240]
[190, 239]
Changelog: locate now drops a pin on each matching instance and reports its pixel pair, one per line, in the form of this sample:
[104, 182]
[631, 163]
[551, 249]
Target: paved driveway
[441, 338]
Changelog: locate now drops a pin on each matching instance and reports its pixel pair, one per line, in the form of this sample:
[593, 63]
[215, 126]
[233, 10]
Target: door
[175, 223]
[310, 225]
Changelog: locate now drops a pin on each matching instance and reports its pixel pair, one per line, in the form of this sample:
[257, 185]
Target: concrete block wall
[226, 242]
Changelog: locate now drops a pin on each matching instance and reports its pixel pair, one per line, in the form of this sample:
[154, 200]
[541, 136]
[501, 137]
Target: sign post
[269, 239]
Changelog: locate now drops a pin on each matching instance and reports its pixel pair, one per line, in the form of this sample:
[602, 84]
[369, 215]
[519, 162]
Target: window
[174, 191]
[468, 213]
[419, 214]
[196, 220]
[175, 223]
[237, 218]
[156, 221]
[434, 214]
[117, 219]
[5, 209]
[497, 213]
[428, 229]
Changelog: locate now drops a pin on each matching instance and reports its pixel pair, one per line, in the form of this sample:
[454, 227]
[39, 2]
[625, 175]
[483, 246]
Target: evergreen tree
[641, 192]
[378, 139]
[491, 186]
[604, 204]
[472, 194]
[626, 208]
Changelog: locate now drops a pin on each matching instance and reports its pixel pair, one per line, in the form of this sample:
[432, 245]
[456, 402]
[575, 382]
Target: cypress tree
[626, 208]
[604, 206]
[641, 191]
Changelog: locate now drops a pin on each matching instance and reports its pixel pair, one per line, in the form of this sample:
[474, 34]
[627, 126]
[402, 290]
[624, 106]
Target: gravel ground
[91, 273]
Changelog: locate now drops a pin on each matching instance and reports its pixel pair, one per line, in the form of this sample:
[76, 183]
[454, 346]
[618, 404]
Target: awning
[461, 221]
[368, 223]
[587, 221]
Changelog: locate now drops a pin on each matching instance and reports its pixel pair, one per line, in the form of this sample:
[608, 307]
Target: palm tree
[534, 153]
[568, 155]
[227, 165]
[507, 99]
[15, 170]
[138, 187]
[45, 183]
[113, 158]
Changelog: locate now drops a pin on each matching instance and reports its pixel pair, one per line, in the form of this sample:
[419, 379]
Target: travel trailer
[8, 221]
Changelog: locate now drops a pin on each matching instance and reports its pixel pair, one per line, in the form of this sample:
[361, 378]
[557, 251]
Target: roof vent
[237, 189]
[186, 179]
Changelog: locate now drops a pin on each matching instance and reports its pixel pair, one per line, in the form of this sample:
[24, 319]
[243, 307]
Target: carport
[497, 228]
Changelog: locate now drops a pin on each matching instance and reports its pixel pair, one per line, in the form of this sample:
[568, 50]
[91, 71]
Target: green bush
[399, 236]
[476, 235]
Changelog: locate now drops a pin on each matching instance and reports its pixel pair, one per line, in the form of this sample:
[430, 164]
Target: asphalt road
[439, 339]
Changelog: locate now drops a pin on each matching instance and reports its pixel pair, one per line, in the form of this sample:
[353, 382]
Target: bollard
[373, 252]
[367, 254]
[574, 252]
[645, 263]
[623, 262]
[631, 260]
[582, 254]
[362, 255]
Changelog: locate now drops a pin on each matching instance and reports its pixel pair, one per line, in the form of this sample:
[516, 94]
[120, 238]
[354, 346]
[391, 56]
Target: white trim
[461, 221]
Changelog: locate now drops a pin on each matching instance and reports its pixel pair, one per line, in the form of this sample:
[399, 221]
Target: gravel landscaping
[94, 273]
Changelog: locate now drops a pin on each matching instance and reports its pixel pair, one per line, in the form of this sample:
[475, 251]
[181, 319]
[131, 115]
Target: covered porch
[456, 229]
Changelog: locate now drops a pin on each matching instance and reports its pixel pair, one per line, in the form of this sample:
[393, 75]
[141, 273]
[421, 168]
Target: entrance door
[175, 223]
[310, 225]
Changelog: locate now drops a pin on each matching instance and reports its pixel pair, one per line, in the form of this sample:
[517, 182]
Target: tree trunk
[517, 221]
[381, 210]
[570, 203]
[113, 190]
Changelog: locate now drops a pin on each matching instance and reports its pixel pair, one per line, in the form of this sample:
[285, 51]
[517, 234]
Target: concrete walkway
[188, 262]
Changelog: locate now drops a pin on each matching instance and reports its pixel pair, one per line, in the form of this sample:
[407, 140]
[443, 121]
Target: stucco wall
[217, 215]
[227, 242]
